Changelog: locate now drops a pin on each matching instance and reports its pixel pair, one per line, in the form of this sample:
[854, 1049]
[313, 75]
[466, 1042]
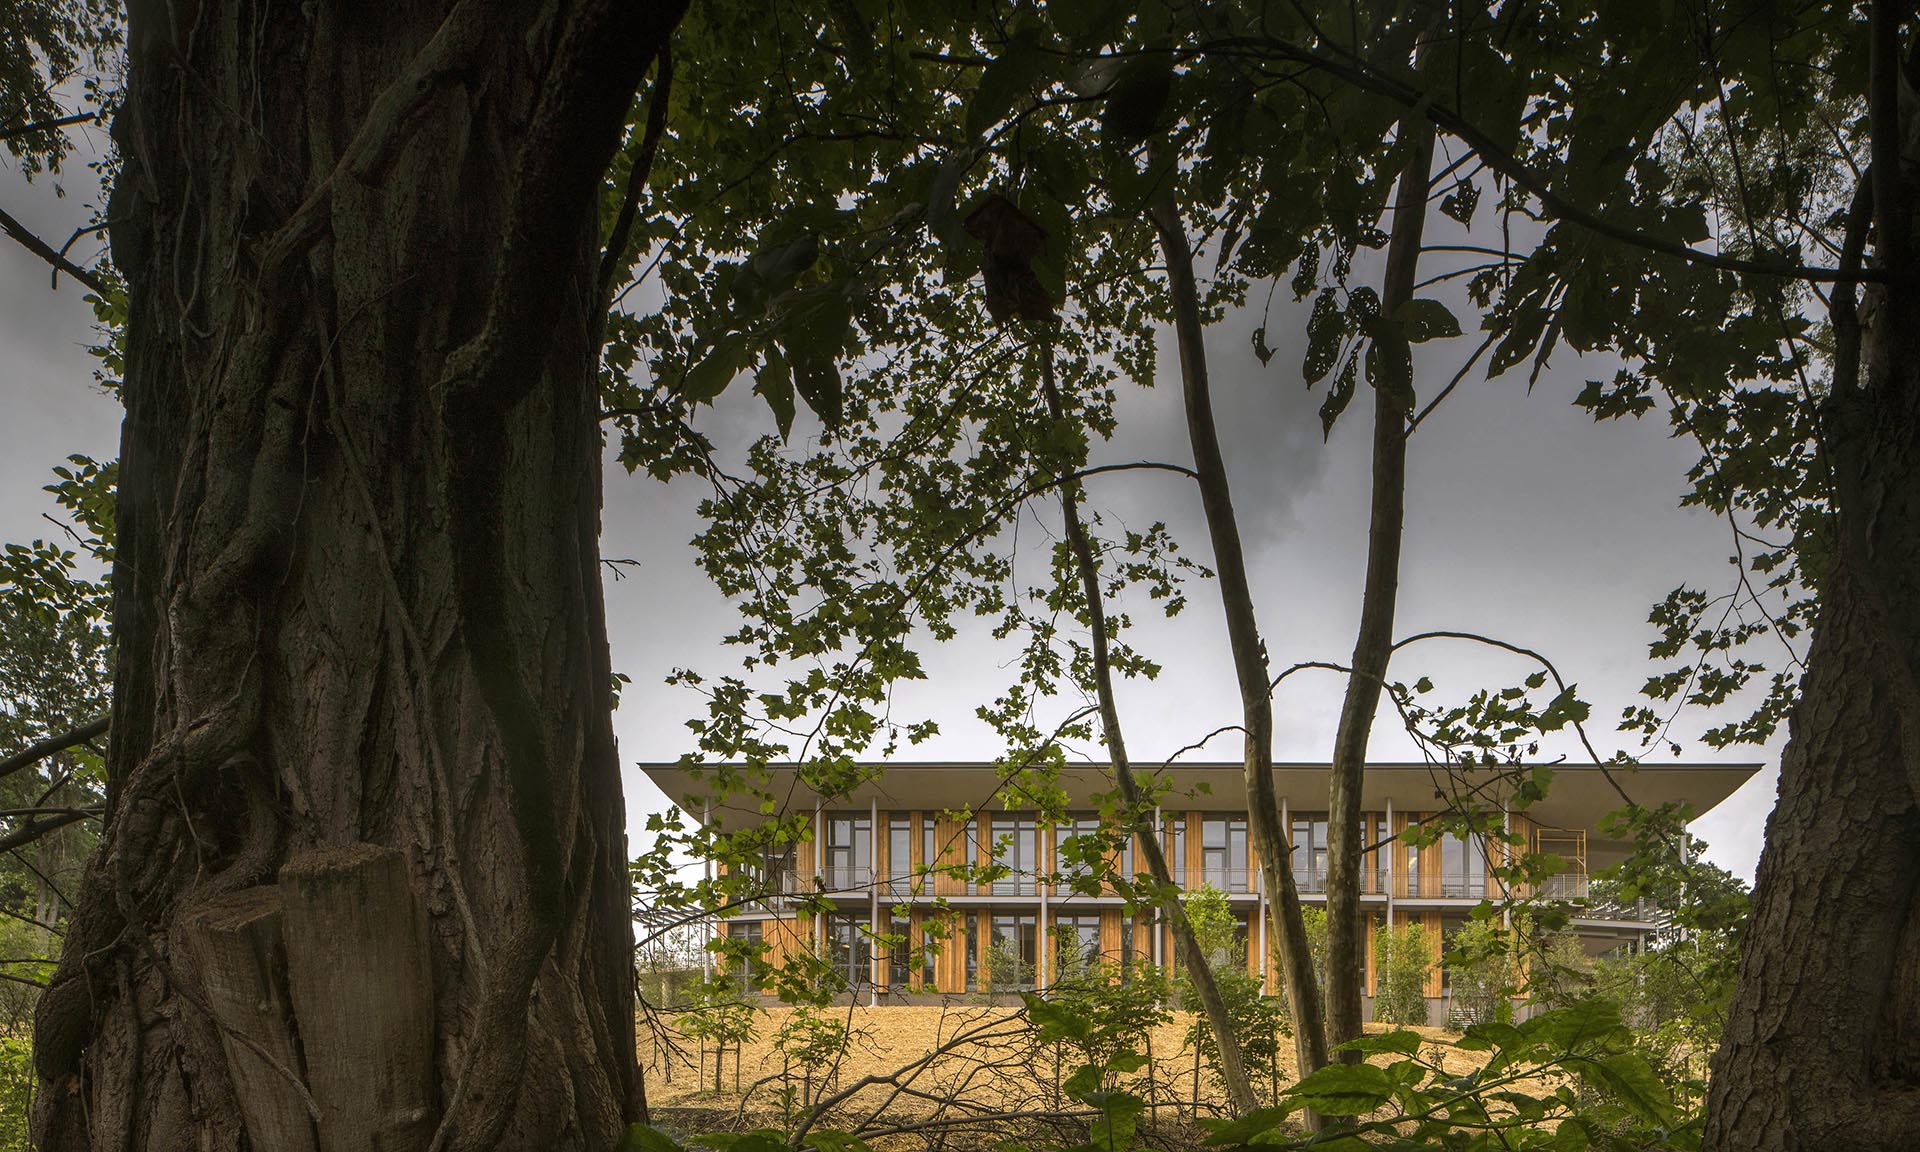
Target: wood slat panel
[1435, 946]
[950, 843]
[1430, 867]
[1193, 851]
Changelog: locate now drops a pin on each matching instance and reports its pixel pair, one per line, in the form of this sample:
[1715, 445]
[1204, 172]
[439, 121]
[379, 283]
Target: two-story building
[870, 855]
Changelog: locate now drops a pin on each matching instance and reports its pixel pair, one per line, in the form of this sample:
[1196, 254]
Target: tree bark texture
[1249, 651]
[357, 598]
[1373, 640]
[1822, 1045]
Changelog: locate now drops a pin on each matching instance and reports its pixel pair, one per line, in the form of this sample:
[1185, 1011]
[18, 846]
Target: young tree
[357, 593]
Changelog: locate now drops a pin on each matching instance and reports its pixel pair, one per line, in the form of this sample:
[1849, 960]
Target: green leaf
[834, 1140]
[1004, 81]
[1260, 348]
[1630, 1079]
[1403, 1042]
[758, 1140]
[647, 1138]
[1460, 203]
[1423, 319]
[1242, 1129]
[781, 264]
[1137, 97]
[817, 378]
[1057, 1020]
[774, 384]
[1343, 1090]
[1339, 394]
[716, 370]
[1325, 327]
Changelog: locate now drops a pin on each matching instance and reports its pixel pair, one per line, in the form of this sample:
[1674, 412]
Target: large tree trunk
[358, 592]
[1822, 1045]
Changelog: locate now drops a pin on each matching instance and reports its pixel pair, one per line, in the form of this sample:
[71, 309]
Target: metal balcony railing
[906, 884]
[1466, 886]
[1313, 881]
[845, 878]
[1231, 880]
[1565, 886]
[1637, 911]
[1014, 884]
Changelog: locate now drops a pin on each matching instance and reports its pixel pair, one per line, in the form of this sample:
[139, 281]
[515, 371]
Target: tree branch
[34, 829]
[618, 240]
[46, 252]
[46, 125]
[1363, 76]
[34, 753]
[1232, 1063]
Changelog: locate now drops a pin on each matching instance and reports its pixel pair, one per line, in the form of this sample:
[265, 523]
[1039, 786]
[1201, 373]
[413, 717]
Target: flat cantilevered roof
[1578, 796]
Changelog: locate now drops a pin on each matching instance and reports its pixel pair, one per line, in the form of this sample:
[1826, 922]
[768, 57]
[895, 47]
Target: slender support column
[1160, 832]
[1042, 954]
[1260, 926]
[706, 954]
[875, 957]
[819, 871]
[1390, 854]
[1506, 850]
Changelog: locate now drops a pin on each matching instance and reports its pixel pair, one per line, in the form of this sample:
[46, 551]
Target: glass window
[1011, 964]
[969, 945]
[1015, 841]
[1177, 863]
[899, 954]
[929, 981]
[1310, 851]
[1373, 833]
[1463, 865]
[850, 949]
[1079, 826]
[973, 853]
[1223, 852]
[929, 851]
[849, 851]
[751, 933]
[1076, 945]
[899, 855]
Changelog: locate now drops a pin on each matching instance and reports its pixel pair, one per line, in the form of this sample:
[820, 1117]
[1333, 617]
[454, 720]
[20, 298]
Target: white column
[1260, 926]
[1042, 953]
[1389, 853]
[874, 957]
[706, 954]
[1160, 841]
[1506, 848]
[819, 870]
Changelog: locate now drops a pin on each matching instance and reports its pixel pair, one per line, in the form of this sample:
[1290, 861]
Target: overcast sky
[1525, 521]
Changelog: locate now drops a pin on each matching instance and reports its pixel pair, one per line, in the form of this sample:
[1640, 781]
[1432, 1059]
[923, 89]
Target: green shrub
[1481, 975]
[16, 1092]
[1402, 957]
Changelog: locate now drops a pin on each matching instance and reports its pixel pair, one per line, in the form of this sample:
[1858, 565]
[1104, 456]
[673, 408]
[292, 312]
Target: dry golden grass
[1004, 1071]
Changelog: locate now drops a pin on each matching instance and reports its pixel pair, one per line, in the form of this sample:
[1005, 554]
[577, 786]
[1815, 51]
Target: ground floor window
[1012, 952]
[850, 950]
[970, 948]
[748, 967]
[899, 953]
[1076, 946]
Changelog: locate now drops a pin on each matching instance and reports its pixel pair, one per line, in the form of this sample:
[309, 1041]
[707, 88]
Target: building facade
[878, 858]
